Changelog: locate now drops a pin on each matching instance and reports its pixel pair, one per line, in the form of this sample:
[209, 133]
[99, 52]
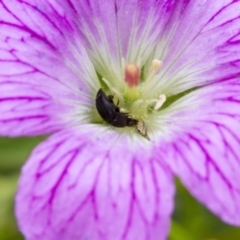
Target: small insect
[110, 113]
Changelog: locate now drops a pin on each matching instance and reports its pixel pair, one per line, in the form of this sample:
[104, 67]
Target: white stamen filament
[123, 64]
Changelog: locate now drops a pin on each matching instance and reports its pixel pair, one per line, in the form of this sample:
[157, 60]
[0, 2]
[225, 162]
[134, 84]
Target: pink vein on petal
[102, 190]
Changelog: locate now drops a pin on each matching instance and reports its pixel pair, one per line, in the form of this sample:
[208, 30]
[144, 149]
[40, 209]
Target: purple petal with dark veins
[89, 184]
[198, 41]
[111, 30]
[36, 81]
[207, 157]
[201, 44]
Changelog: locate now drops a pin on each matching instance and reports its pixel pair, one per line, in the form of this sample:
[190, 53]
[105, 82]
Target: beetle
[111, 114]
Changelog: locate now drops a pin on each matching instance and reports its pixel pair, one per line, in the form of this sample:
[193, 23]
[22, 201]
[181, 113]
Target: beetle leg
[117, 101]
[111, 97]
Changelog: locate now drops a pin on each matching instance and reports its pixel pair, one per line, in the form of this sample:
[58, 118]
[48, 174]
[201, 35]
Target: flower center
[134, 98]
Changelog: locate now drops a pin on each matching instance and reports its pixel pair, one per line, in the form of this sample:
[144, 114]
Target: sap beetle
[111, 114]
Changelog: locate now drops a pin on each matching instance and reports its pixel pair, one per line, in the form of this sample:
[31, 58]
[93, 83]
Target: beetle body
[110, 112]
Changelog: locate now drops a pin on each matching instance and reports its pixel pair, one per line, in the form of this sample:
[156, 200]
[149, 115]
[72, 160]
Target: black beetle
[110, 112]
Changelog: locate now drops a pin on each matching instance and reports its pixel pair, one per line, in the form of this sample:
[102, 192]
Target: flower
[174, 68]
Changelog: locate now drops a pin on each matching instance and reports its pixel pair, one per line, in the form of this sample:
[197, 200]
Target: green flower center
[136, 96]
[128, 100]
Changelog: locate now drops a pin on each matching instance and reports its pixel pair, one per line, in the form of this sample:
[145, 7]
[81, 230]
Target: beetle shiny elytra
[111, 114]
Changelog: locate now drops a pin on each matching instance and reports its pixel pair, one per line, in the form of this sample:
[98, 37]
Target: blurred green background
[191, 220]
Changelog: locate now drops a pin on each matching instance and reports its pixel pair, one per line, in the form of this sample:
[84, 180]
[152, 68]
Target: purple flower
[174, 68]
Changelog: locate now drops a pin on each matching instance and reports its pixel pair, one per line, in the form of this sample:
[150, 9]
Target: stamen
[123, 64]
[155, 67]
[160, 102]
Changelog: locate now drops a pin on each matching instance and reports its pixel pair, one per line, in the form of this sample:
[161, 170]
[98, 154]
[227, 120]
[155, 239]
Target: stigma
[132, 82]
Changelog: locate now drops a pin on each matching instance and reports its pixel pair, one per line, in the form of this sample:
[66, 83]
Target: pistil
[132, 80]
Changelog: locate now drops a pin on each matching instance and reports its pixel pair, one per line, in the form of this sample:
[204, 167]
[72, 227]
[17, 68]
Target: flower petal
[89, 184]
[37, 76]
[118, 29]
[207, 157]
[200, 44]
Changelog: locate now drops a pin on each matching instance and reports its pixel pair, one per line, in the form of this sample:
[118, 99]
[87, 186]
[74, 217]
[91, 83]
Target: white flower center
[135, 96]
[139, 93]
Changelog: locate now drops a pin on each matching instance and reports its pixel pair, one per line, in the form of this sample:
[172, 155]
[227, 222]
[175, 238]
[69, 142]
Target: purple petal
[207, 157]
[198, 41]
[88, 184]
[202, 44]
[112, 30]
[36, 79]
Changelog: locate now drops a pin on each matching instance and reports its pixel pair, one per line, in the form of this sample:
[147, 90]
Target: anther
[160, 102]
[155, 67]
[142, 129]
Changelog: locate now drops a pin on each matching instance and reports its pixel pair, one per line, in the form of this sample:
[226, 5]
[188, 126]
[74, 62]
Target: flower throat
[129, 107]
